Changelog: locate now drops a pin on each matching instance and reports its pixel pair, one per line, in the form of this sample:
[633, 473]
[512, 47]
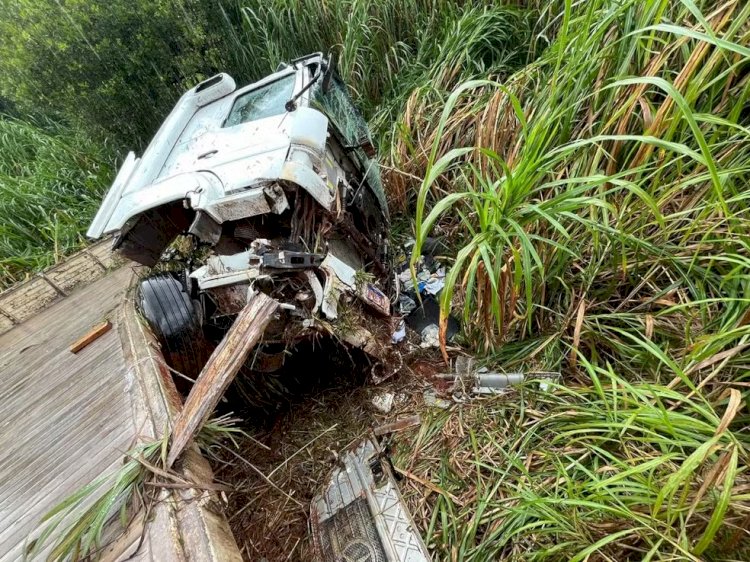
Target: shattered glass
[262, 102]
[341, 111]
[339, 107]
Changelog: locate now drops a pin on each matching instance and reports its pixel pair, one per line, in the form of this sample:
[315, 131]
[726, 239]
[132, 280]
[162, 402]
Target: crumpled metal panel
[362, 496]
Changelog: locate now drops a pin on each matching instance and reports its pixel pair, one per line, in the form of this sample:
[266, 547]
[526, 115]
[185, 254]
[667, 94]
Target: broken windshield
[340, 109]
[262, 102]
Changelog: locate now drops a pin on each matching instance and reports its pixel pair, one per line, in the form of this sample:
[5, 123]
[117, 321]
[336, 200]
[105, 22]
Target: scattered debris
[430, 336]
[406, 304]
[417, 301]
[491, 383]
[400, 333]
[435, 283]
[387, 359]
[426, 282]
[364, 339]
[398, 425]
[425, 316]
[92, 335]
[467, 380]
[360, 515]
[431, 398]
[220, 370]
[464, 364]
[383, 402]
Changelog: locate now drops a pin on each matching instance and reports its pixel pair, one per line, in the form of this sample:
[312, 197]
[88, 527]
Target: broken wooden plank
[95, 333]
[220, 370]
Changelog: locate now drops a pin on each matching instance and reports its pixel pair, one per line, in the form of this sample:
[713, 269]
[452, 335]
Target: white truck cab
[225, 154]
[276, 180]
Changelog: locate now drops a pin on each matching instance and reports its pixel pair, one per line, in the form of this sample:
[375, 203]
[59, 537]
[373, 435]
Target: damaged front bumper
[204, 192]
[327, 277]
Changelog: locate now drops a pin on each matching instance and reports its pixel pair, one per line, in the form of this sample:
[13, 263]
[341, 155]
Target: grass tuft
[76, 527]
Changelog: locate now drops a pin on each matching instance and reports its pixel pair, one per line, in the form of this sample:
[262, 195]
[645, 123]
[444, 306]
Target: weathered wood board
[27, 299]
[64, 419]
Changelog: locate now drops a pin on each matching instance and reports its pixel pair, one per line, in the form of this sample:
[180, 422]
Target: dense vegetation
[589, 161]
[51, 182]
[610, 174]
[114, 72]
[602, 200]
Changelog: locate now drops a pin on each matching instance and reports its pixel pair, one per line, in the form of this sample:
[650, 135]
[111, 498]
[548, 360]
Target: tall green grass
[598, 199]
[609, 471]
[616, 202]
[51, 183]
[387, 52]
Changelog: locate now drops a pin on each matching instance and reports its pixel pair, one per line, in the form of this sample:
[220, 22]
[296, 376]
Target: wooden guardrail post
[91, 254]
[57, 289]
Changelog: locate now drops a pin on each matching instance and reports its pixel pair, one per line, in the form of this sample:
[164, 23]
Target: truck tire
[176, 322]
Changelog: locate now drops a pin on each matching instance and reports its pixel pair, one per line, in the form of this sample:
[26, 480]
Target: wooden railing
[24, 300]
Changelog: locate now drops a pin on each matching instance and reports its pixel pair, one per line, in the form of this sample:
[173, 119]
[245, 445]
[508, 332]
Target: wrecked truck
[275, 189]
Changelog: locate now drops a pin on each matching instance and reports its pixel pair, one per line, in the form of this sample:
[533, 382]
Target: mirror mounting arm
[291, 105]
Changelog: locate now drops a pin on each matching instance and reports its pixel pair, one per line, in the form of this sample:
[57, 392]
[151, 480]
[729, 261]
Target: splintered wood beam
[220, 370]
[93, 334]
